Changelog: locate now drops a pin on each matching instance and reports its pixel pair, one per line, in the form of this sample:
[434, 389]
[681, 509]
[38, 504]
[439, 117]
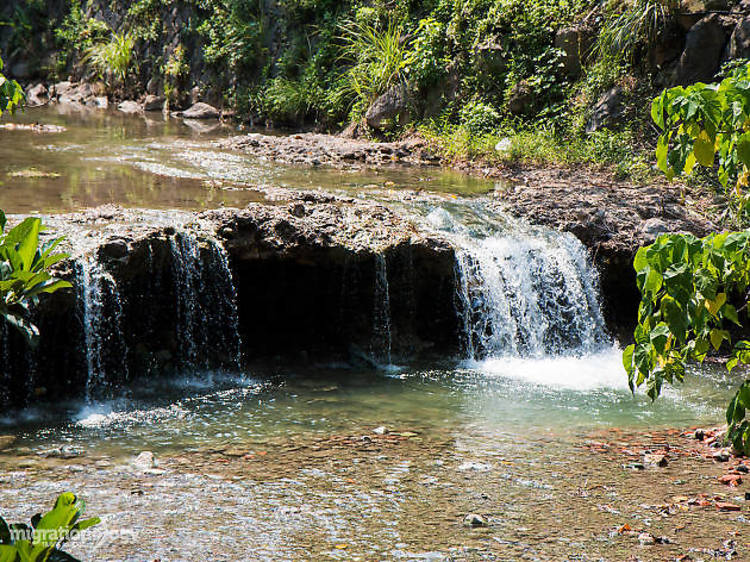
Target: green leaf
[717, 337]
[8, 553]
[704, 151]
[714, 305]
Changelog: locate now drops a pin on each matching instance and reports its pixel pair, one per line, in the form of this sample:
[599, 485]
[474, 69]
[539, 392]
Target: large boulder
[607, 112]
[153, 103]
[739, 42]
[392, 104]
[130, 106]
[704, 47]
[575, 43]
[200, 110]
[37, 95]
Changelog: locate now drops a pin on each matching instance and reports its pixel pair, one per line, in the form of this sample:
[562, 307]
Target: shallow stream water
[328, 461]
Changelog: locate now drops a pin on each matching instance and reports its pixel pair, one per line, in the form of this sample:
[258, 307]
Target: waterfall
[381, 345]
[101, 316]
[524, 292]
[207, 320]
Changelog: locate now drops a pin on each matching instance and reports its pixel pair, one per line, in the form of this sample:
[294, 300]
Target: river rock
[655, 459]
[100, 102]
[390, 105]
[37, 95]
[704, 47]
[200, 110]
[474, 520]
[153, 103]
[130, 106]
[144, 461]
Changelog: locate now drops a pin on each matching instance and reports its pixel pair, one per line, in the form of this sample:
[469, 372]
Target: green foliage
[24, 272]
[707, 125]
[479, 117]
[42, 541]
[11, 94]
[690, 292]
[379, 59]
[635, 30]
[112, 59]
[77, 33]
[429, 59]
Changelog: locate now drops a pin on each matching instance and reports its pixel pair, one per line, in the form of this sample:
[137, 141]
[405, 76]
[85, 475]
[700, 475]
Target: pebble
[144, 460]
[655, 459]
[720, 456]
[380, 430]
[646, 538]
[474, 520]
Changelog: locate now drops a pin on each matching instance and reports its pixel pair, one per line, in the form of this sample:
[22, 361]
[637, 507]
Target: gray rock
[130, 106]
[100, 102]
[144, 461]
[652, 228]
[474, 520]
[393, 103]
[739, 42]
[607, 112]
[153, 103]
[575, 42]
[200, 110]
[62, 88]
[37, 95]
[77, 93]
[63, 452]
[520, 98]
[704, 47]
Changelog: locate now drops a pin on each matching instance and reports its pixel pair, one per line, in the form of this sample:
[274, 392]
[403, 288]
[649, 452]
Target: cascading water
[206, 303]
[522, 291]
[382, 342]
[101, 315]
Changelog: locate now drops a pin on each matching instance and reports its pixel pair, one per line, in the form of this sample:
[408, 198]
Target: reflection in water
[149, 161]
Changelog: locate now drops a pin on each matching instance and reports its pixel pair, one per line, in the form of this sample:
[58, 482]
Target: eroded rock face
[307, 278]
[612, 221]
[392, 104]
[704, 47]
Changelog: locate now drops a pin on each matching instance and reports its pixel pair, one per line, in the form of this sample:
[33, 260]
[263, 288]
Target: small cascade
[101, 316]
[207, 319]
[381, 344]
[524, 292]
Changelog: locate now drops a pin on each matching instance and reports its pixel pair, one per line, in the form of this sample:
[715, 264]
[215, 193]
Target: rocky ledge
[612, 219]
[314, 149]
[308, 278]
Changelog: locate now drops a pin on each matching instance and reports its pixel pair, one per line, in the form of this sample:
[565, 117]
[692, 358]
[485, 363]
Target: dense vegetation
[695, 291]
[476, 72]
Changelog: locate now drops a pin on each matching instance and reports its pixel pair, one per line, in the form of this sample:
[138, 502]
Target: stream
[291, 459]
